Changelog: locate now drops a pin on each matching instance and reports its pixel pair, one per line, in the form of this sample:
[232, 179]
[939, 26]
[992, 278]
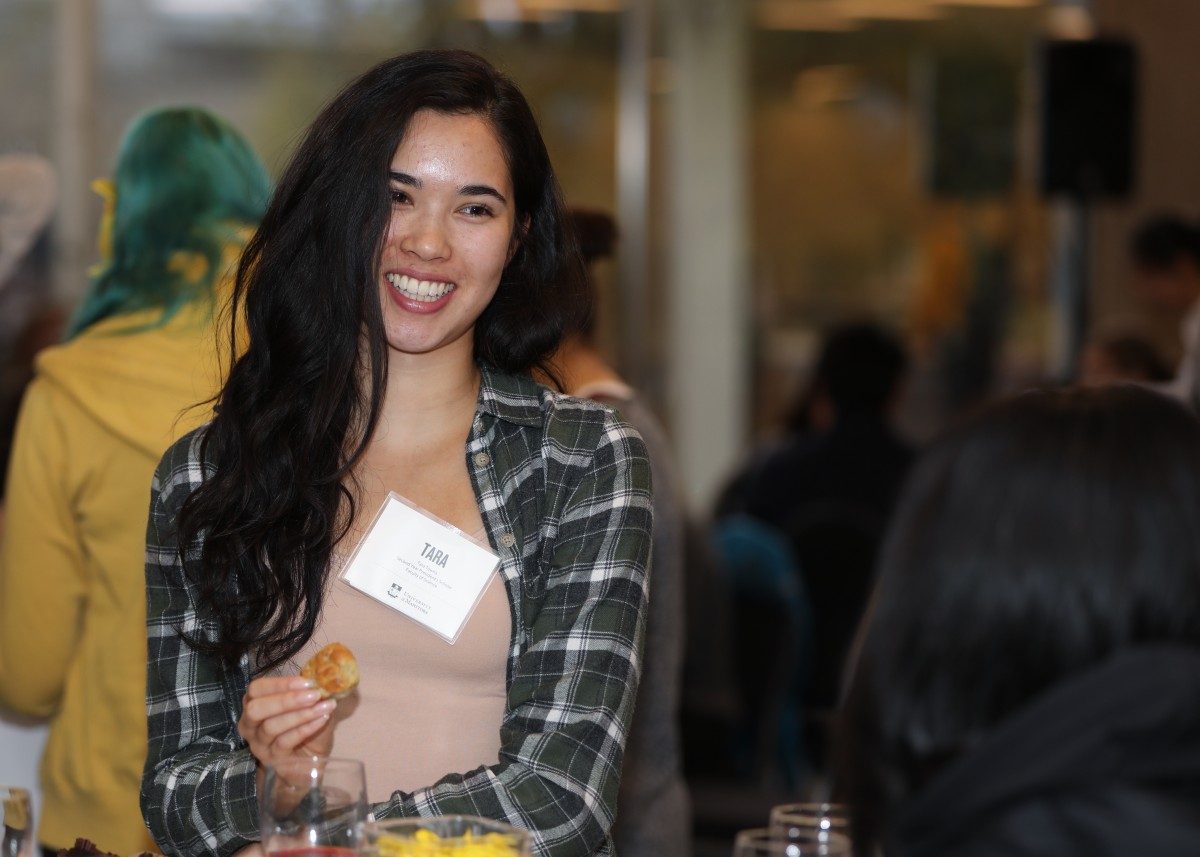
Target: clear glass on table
[821, 818]
[315, 807]
[763, 842]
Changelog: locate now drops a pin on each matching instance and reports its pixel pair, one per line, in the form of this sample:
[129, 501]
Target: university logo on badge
[394, 590]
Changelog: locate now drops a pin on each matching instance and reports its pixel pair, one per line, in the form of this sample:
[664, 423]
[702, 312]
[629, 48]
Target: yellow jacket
[95, 421]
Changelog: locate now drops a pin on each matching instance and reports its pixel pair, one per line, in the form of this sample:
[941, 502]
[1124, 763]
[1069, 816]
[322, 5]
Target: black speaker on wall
[1089, 94]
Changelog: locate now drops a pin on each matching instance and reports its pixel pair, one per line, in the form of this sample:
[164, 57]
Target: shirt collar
[512, 398]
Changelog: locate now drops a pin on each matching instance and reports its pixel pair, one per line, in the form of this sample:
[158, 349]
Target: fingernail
[303, 683]
[311, 696]
[327, 706]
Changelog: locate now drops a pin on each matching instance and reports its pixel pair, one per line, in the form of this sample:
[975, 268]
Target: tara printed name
[435, 556]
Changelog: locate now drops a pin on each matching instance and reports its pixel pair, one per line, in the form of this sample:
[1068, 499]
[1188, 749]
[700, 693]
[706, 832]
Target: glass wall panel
[894, 181]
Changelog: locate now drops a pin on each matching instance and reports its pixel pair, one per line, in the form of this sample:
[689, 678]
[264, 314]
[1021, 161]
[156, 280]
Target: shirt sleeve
[43, 589]
[199, 794]
[571, 694]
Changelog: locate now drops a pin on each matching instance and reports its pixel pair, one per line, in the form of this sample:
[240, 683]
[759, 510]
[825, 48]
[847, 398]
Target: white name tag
[421, 567]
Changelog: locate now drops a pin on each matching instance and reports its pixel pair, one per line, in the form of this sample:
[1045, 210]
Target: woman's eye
[477, 210]
[400, 197]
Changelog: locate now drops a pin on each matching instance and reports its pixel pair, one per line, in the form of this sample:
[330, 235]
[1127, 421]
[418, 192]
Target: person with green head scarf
[186, 187]
[142, 350]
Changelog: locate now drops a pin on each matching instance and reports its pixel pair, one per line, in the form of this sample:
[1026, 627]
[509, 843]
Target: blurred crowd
[985, 644]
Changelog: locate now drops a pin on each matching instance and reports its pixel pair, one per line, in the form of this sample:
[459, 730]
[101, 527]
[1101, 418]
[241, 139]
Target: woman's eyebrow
[465, 190]
[404, 179]
[481, 190]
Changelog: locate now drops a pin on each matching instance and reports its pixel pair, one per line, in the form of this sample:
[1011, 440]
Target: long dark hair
[1037, 540]
[302, 401]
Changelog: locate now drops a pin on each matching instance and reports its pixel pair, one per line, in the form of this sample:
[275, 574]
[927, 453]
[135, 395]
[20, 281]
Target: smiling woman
[410, 272]
[447, 242]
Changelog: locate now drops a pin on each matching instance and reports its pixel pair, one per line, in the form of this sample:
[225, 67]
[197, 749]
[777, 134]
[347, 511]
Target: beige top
[423, 708]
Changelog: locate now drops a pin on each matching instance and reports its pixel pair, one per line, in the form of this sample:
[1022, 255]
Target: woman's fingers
[288, 741]
[282, 716]
[271, 685]
[273, 729]
[262, 708]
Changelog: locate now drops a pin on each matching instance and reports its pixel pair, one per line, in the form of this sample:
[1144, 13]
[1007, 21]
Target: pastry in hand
[334, 669]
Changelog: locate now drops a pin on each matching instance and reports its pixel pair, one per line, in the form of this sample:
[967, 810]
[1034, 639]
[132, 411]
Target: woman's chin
[424, 343]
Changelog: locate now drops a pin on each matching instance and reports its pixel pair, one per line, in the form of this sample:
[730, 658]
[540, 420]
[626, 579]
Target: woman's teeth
[426, 291]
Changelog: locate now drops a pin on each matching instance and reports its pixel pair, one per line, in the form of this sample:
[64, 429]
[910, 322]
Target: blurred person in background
[769, 640]
[830, 487]
[1122, 359]
[842, 445]
[28, 319]
[28, 196]
[140, 351]
[43, 329]
[1165, 250]
[653, 817]
[1028, 679]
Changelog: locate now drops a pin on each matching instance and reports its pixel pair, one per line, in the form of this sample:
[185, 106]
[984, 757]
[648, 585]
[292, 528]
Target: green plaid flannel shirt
[564, 489]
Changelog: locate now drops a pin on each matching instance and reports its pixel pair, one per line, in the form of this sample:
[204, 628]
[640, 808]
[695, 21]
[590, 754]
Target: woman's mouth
[419, 296]
[425, 291]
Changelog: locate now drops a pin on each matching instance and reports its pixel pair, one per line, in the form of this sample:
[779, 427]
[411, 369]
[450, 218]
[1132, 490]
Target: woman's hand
[284, 717]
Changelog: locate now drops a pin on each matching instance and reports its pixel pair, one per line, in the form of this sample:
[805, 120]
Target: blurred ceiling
[846, 15]
[816, 16]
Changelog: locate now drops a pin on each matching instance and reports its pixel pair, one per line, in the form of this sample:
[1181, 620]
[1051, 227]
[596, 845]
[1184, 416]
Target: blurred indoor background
[777, 168]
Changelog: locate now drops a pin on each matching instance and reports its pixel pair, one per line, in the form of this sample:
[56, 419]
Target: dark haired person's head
[341, 246]
[1165, 250]
[1044, 536]
[858, 374]
[328, 221]
[596, 233]
[1122, 359]
[186, 185]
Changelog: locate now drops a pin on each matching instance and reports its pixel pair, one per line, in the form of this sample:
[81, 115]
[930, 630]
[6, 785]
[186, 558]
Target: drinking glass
[16, 813]
[414, 837]
[762, 842]
[313, 807]
[818, 818]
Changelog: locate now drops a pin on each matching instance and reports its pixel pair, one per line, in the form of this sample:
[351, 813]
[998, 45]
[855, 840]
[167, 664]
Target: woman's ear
[518, 236]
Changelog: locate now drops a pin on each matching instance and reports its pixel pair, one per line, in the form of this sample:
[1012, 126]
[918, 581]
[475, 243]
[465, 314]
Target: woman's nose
[426, 238]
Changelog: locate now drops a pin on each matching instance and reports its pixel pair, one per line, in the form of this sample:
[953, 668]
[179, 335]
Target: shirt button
[482, 459]
[508, 540]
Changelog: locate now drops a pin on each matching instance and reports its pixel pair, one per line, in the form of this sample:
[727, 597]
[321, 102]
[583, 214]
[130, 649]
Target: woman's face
[450, 234]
